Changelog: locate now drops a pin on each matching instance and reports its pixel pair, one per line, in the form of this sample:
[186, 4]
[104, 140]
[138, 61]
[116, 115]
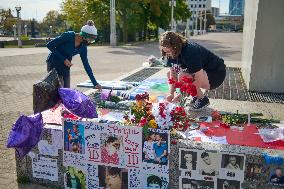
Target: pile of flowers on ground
[181, 121]
[158, 115]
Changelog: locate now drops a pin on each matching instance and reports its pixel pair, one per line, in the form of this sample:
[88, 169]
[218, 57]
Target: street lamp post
[195, 32]
[205, 20]
[112, 24]
[200, 25]
[26, 29]
[172, 4]
[18, 9]
[15, 31]
[50, 27]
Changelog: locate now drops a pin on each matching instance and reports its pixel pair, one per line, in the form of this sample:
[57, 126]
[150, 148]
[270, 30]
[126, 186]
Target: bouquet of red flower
[179, 118]
[186, 86]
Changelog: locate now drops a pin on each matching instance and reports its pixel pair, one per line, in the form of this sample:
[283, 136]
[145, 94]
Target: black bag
[45, 92]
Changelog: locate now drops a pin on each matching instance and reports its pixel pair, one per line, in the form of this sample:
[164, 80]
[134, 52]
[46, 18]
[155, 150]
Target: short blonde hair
[172, 40]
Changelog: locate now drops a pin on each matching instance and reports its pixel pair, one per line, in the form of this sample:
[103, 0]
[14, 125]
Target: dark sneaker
[193, 100]
[200, 104]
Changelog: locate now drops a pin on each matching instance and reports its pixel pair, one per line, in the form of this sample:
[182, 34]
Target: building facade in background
[197, 7]
[215, 11]
[236, 7]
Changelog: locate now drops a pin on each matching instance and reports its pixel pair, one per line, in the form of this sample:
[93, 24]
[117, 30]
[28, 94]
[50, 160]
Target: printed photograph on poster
[187, 159]
[228, 184]
[155, 182]
[155, 147]
[254, 172]
[208, 163]
[113, 177]
[74, 178]
[74, 137]
[232, 162]
[186, 183]
[112, 150]
[276, 175]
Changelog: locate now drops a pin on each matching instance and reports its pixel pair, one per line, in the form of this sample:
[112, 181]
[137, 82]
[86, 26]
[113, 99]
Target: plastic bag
[271, 135]
[25, 133]
[45, 92]
[78, 103]
[153, 61]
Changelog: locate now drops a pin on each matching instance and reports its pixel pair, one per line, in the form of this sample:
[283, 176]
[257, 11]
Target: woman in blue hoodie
[67, 45]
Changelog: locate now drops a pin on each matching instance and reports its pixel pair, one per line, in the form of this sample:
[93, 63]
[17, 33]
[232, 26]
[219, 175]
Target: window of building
[199, 6]
[204, 6]
[191, 6]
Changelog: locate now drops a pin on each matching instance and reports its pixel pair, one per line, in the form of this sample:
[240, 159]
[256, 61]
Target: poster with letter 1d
[99, 155]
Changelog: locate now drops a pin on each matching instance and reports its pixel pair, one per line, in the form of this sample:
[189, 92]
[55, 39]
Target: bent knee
[169, 74]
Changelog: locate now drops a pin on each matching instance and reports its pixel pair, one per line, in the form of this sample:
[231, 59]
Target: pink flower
[143, 122]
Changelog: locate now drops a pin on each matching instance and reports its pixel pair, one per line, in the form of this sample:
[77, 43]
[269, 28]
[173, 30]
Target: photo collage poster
[273, 169]
[98, 155]
[208, 169]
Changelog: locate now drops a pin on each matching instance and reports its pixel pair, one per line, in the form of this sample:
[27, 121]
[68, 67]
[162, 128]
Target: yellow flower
[153, 124]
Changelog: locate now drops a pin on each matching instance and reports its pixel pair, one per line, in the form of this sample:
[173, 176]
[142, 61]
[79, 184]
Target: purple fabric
[78, 103]
[25, 133]
[105, 94]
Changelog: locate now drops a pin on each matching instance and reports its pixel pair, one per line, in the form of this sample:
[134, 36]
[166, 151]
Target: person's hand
[99, 87]
[68, 63]
[170, 97]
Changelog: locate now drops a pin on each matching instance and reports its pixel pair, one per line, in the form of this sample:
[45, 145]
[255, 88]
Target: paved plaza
[20, 68]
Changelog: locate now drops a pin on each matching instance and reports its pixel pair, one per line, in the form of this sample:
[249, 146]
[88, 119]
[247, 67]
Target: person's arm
[88, 69]
[53, 44]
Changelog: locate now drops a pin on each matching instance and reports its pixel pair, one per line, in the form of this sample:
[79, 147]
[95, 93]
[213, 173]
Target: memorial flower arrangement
[141, 113]
[186, 86]
[181, 121]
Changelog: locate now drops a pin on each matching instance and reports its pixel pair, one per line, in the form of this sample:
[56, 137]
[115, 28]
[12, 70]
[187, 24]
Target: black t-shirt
[194, 57]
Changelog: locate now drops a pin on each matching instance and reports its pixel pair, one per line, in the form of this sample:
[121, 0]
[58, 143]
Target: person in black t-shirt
[190, 59]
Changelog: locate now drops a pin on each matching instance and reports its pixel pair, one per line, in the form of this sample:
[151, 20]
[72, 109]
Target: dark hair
[153, 179]
[111, 139]
[148, 137]
[160, 134]
[183, 163]
[113, 171]
[280, 168]
[80, 172]
[172, 40]
[204, 154]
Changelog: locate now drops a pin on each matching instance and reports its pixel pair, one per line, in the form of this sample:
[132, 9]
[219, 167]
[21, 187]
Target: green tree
[135, 16]
[7, 21]
[56, 20]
